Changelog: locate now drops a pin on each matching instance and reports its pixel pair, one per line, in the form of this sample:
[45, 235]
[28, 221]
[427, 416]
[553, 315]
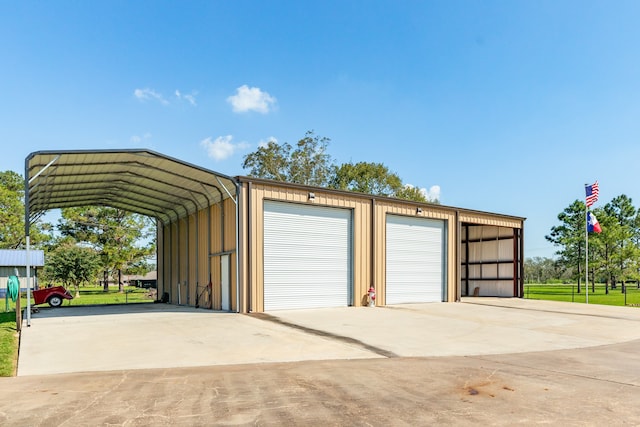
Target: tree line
[309, 163]
[87, 243]
[614, 254]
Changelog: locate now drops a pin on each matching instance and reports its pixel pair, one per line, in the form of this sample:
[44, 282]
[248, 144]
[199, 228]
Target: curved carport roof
[136, 180]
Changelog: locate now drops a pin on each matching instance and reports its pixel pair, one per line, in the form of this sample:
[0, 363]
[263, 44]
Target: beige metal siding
[361, 234]
[202, 277]
[384, 207]
[488, 219]
[192, 259]
[189, 253]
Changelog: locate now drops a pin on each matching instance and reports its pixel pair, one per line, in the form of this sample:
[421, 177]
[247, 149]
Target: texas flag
[593, 226]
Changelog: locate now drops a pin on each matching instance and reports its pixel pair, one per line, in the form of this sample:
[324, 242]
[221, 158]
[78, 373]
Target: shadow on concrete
[111, 309]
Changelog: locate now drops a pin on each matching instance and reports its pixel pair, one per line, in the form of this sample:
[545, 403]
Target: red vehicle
[55, 296]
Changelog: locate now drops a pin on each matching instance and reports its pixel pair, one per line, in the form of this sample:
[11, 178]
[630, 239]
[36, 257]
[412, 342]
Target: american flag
[592, 193]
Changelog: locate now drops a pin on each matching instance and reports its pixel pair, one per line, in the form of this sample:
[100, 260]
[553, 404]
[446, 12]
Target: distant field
[92, 295]
[570, 293]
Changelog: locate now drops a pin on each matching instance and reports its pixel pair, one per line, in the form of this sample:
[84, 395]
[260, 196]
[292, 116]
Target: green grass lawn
[8, 344]
[570, 293]
[95, 295]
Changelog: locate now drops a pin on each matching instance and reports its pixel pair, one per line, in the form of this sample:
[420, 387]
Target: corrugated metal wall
[189, 252]
[5, 272]
[257, 193]
[385, 207]
[211, 233]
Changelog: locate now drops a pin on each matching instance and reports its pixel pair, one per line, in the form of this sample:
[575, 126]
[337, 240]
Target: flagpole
[586, 252]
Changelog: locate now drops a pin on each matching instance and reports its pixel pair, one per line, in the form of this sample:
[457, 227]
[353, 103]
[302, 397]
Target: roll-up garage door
[307, 256]
[414, 260]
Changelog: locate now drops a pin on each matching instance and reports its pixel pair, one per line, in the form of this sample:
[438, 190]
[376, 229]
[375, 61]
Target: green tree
[122, 239]
[409, 192]
[602, 248]
[270, 161]
[12, 214]
[569, 236]
[308, 163]
[626, 252]
[368, 178]
[542, 270]
[72, 265]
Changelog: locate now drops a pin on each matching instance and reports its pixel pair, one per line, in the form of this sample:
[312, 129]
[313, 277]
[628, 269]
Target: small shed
[14, 261]
[149, 280]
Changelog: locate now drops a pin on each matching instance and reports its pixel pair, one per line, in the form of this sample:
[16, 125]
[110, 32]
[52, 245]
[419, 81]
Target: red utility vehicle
[55, 296]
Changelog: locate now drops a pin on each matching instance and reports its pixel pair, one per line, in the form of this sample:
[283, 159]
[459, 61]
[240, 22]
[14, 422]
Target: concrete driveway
[506, 372]
[144, 336]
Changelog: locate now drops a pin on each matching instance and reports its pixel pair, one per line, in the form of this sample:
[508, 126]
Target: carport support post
[28, 283]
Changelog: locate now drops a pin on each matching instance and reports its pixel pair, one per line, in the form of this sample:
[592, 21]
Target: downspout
[372, 257]
[208, 257]
[516, 263]
[250, 246]
[179, 266]
[238, 251]
[466, 257]
[521, 255]
[197, 218]
[457, 257]
[222, 249]
[170, 261]
[187, 255]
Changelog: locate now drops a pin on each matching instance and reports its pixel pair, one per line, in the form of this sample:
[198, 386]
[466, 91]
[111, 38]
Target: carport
[143, 182]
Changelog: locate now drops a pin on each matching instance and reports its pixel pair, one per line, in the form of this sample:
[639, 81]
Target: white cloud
[149, 94]
[190, 98]
[433, 193]
[222, 147]
[251, 99]
[264, 142]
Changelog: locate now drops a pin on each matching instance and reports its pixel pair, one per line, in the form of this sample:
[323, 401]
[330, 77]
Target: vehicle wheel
[55, 301]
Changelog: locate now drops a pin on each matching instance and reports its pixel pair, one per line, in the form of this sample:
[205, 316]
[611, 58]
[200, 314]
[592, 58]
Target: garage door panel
[307, 256]
[414, 260]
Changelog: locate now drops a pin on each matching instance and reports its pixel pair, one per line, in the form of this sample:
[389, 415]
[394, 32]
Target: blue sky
[506, 106]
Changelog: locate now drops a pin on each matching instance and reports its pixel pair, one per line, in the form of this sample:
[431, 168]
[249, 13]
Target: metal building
[14, 262]
[245, 244]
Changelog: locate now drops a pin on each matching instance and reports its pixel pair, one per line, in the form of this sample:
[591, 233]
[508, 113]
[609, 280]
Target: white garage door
[307, 256]
[414, 260]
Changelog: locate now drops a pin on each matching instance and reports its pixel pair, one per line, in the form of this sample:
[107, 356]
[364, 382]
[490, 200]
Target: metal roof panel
[18, 258]
[137, 180]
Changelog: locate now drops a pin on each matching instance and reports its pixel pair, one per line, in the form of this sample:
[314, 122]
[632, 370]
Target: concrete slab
[476, 326]
[593, 380]
[144, 336]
